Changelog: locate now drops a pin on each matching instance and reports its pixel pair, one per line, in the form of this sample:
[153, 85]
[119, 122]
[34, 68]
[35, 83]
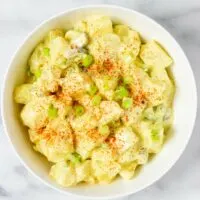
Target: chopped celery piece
[106, 82]
[155, 135]
[52, 112]
[104, 145]
[127, 103]
[75, 158]
[106, 85]
[96, 100]
[121, 92]
[46, 51]
[127, 80]
[104, 130]
[79, 110]
[38, 73]
[87, 60]
[64, 62]
[93, 89]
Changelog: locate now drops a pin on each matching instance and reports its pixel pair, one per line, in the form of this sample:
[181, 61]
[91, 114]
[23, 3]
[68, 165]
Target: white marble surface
[180, 17]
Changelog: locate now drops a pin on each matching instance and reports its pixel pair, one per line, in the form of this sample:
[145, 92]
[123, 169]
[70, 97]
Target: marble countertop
[180, 17]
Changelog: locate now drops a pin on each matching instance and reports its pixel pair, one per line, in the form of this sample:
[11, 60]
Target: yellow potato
[154, 55]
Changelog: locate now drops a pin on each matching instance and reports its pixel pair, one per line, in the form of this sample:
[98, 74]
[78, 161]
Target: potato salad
[97, 101]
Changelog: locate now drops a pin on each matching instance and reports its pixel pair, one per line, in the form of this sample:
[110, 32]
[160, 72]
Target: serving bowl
[185, 103]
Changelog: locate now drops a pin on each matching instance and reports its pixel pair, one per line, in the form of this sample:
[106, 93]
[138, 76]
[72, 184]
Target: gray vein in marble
[4, 193]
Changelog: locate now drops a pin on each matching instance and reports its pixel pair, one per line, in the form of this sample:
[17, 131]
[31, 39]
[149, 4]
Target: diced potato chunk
[57, 49]
[64, 174]
[22, 93]
[81, 26]
[136, 153]
[84, 145]
[106, 85]
[130, 38]
[78, 39]
[56, 140]
[53, 34]
[49, 79]
[57, 45]
[132, 115]
[87, 121]
[155, 90]
[125, 138]
[104, 166]
[105, 172]
[34, 113]
[83, 172]
[152, 136]
[128, 170]
[105, 48]
[103, 154]
[129, 155]
[98, 25]
[154, 55]
[88, 140]
[160, 74]
[111, 111]
[37, 59]
[75, 83]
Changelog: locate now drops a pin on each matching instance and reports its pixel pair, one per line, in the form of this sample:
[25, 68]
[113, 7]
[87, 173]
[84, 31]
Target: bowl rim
[145, 185]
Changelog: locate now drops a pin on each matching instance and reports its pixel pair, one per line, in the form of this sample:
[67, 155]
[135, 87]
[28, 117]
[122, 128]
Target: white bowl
[185, 104]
